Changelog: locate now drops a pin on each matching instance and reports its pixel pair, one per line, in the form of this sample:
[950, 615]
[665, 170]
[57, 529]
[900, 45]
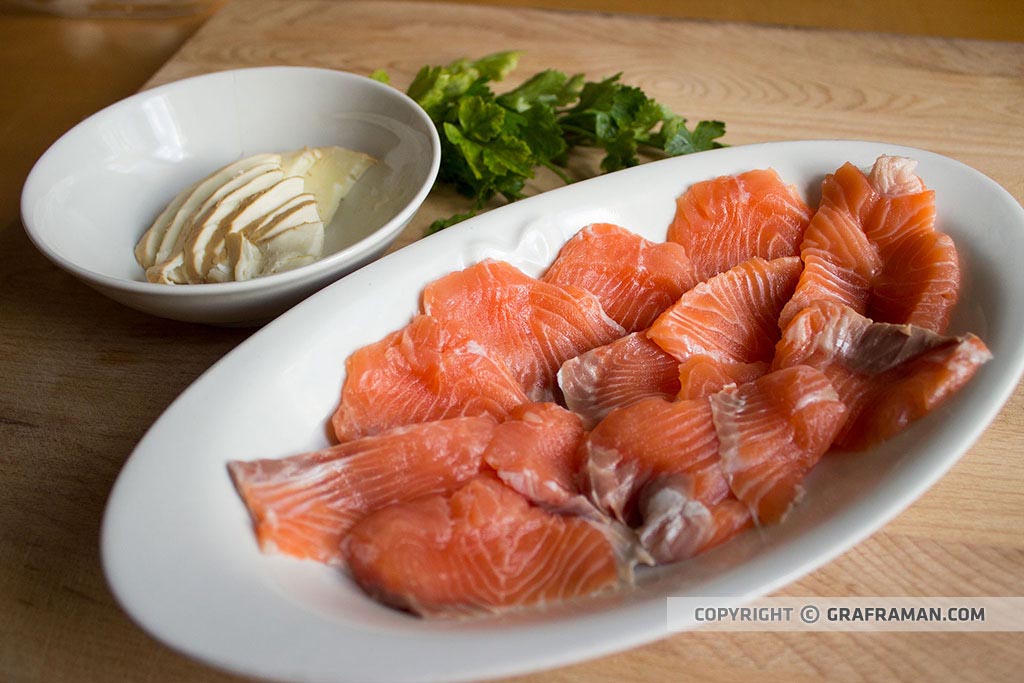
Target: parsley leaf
[492, 144]
[442, 223]
[701, 139]
[548, 88]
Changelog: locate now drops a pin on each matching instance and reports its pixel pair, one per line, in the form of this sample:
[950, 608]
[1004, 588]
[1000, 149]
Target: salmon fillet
[530, 325]
[872, 246]
[731, 219]
[536, 453]
[633, 278]
[702, 375]
[771, 432]
[733, 317]
[616, 375]
[305, 504]
[480, 549]
[429, 370]
[886, 375]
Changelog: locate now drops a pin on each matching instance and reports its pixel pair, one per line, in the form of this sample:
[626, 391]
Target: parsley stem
[578, 130]
[559, 172]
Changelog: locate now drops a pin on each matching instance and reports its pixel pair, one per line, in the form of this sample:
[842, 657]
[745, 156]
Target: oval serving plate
[179, 551]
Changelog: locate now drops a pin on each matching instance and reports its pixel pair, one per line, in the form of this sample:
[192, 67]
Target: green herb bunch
[492, 144]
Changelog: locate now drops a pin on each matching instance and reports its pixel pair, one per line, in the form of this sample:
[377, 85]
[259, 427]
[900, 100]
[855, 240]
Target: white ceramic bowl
[95, 191]
[177, 543]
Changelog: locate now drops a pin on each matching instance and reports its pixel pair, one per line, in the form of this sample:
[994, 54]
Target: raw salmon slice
[687, 514]
[919, 283]
[840, 263]
[481, 549]
[530, 325]
[702, 375]
[305, 504]
[887, 375]
[733, 317]
[771, 432]
[536, 452]
[616, 375]
[647, 440]
[731, 219]
[430, 370]
[654, 466]
[904, 206]
[872, 246]
[634, 279]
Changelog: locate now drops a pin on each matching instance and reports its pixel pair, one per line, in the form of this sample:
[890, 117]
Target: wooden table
[84, 377]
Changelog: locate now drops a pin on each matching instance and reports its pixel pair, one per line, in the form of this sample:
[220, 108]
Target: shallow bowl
[91, 196]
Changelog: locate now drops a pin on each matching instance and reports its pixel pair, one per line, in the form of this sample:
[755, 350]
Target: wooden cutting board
[956, 97]
[964, 99]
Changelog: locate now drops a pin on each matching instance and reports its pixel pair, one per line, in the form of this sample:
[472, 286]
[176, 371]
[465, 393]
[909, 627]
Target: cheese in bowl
[261, 215]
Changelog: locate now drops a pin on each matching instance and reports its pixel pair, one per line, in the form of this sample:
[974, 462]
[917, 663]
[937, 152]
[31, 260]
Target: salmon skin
[886, 375]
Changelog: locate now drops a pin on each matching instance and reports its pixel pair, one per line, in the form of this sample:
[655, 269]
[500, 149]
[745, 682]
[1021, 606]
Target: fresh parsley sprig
[492, 144]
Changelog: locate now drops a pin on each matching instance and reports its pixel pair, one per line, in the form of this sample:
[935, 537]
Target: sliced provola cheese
[169, 271]
[302, 211]
[244, 258]
[170, 264]
[290, 249]
[149, 245]
[226, 265]
[251, 211]
[196, 257]
[201, 193]
[260, 215]
[330, 173]
[298, 246]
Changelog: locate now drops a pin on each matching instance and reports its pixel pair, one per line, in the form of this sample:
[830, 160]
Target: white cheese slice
[170, 262]
[252, 210]
[244, 257]
[292, 248]
[200, 193]
[303, 210]
[330, 172]
[196, 258]
[168, 272]
[260, 215]
[298, 209]
[301, 161]
[149, 245]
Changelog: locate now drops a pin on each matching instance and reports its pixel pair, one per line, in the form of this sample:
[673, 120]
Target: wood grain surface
[991, 19]
[84, 377]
